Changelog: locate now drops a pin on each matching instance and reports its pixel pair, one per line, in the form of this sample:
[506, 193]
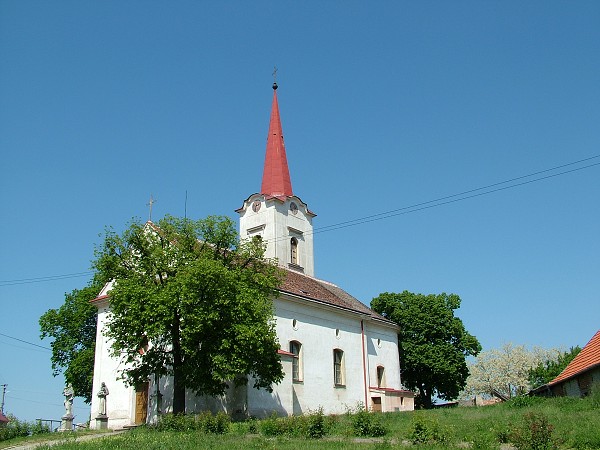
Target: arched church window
[296, 349]
[380, 376]
[338, 367]
[294, 251]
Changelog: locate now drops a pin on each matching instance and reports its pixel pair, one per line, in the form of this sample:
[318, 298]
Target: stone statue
[102, 393]
[69, 394]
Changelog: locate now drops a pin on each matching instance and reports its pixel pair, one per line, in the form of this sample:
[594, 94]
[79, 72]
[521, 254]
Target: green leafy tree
[550, 368]
[196, 300]
[433, 342]
[73, 328]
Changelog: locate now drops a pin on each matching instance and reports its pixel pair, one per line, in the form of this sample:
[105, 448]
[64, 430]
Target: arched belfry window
[294, 251]
[296, 349]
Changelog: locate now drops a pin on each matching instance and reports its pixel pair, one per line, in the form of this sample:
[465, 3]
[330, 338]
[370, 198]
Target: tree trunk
[426, 397]
[178, 384]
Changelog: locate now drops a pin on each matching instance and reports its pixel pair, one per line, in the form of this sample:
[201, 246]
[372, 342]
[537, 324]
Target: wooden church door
[141, 403]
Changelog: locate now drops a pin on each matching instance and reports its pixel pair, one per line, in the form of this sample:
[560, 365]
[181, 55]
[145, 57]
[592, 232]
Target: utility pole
[3, 394]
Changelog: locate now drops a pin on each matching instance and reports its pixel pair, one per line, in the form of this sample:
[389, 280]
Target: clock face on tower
[256, 205]
[294, 208]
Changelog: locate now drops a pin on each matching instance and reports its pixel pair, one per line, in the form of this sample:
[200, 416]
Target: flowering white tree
[504, 371]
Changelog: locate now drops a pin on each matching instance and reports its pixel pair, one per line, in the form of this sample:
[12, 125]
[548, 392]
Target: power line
[26, 342]
[470, 191]
[453, 198]
[488, 189]
[439, 202]
[83, 408]
[44, 279]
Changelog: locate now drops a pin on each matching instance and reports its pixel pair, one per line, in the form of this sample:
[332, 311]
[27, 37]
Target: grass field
[523, 423]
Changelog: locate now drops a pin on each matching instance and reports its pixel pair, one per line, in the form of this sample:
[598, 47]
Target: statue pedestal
[67, 423]
[101, 422]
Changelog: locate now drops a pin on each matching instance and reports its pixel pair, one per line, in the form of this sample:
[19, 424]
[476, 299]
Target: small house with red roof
[334, 350]
[577, 379]
[3, 419]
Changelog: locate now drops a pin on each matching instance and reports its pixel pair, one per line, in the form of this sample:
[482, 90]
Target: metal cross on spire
[275, 77]
[150, 203]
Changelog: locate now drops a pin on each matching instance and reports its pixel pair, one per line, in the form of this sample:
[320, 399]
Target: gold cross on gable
[150, 203]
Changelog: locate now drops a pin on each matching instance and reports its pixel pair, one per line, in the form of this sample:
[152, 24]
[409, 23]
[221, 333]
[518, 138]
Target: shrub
[252, 425]
[271, 426]
[175, 422]
[19, 428]
[331, 422]
[365, 423]
[38, 428]
[205, 422]
[534, 434]
[427, 431]
[223, 423]
[293, 426]
[311, 425]
[315, 427]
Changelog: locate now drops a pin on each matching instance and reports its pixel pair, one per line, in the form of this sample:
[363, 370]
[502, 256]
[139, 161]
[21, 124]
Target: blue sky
[105, 103]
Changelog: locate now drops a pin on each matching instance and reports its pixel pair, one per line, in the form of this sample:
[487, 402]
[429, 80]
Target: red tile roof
[99, 298]
[588, 358]
[315, 290]
[3, 418]
[326, 293]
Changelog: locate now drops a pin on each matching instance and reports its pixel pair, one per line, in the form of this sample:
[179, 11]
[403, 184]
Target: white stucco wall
[120, 403]
[320, 329]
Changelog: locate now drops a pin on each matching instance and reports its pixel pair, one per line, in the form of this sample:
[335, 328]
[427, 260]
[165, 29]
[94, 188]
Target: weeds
[534, 434]
[524, 401]
[427, 431]
[573, 420]
[204, 422]
[312, 425]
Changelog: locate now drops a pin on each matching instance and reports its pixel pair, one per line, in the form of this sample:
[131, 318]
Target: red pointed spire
[276, 180]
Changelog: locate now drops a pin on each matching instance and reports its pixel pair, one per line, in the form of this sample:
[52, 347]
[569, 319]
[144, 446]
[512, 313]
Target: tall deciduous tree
[73, 328]
[433, 342]
[551, 367]
[505, 370]
[198, 301]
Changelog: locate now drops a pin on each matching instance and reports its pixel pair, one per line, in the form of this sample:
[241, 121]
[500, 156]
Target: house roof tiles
[588, 358]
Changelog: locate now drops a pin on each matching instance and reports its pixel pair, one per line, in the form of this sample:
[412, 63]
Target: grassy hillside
[523, 422]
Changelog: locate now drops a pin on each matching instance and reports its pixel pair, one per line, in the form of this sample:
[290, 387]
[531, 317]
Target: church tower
[281, 219]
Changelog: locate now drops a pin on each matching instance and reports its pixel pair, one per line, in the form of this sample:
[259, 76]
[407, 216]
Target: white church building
[336, 353]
